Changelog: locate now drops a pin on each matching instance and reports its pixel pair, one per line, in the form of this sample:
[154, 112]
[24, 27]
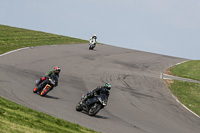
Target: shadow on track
[96, 116]
[102, 117]
[53, 97]
[48, 96]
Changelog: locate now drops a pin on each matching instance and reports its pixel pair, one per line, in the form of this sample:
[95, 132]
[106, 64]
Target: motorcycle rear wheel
[35, 90]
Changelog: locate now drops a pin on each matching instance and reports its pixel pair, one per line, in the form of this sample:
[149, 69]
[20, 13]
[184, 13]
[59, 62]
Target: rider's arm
[108, 94]
[56, 83]
[90, 39]
[94, 41]
[49, 73]
[96, 91]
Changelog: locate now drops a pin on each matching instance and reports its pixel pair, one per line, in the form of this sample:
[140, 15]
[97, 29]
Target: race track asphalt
[139, 101]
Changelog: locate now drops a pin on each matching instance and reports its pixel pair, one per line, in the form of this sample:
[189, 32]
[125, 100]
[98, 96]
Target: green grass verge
[187, 93]
[12, 38]
[15, 118]
[189, 69]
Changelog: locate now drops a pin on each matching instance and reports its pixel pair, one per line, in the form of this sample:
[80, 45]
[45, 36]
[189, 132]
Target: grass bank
[15, 118]
[189, 69]
[188, 93]
[12, 38]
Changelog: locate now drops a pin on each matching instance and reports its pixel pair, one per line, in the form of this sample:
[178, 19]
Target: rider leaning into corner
[93, 39]
[99, 90]
[44, 80]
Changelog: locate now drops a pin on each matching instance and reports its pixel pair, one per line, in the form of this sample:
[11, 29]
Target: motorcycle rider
[99, 90]
[44, 80]
[93, 40]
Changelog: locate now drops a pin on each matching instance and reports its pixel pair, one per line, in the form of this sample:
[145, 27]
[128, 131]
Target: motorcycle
[48, 87]
[92, 45]
[94, 105]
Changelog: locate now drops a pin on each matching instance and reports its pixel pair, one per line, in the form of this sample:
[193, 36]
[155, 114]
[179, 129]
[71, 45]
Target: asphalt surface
[139, 101]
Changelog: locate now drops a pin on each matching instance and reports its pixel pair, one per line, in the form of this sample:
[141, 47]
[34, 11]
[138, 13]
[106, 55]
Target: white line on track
[181, 62]
[184, 106]
[21, 49]
[13, 51]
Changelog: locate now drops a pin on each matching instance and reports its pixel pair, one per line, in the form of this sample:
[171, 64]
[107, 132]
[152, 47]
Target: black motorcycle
[48, 87]
[92, 105]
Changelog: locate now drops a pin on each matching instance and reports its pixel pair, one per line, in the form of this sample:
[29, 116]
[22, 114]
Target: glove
[89, 94]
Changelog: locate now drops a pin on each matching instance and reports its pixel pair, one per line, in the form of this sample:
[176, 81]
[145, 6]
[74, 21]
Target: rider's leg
[42, 85]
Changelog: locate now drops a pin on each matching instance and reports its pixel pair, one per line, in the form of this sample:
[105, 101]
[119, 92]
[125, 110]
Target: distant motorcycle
[92, 45]
[48, 87]
[95, 104]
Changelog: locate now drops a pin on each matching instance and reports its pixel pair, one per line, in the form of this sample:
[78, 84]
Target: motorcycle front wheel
[78, 107]
[94, 109]
[90, 48]
[45, 91]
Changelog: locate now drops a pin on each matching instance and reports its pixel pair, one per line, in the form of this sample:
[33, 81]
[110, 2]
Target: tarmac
[139, 100]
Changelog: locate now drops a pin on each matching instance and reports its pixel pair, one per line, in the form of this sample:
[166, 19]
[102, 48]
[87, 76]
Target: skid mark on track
[128, 88]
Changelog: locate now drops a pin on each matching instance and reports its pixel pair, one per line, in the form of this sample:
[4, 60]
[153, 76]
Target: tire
[35, 90]
[45, 91]
[78, 107]
[93, 111]
[91, 48]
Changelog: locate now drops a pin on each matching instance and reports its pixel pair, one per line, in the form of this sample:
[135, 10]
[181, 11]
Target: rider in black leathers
[99, 90]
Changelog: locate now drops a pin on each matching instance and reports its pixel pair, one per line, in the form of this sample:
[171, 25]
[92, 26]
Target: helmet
[57, 69]
[107, 86]
[94, 36]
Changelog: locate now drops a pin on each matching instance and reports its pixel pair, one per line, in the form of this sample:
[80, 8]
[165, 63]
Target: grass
[189, 69]
[188, 93]
[15, 118]
[12, 38]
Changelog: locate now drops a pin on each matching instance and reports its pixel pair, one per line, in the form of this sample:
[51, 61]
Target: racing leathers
[93, 40]
[99, 90]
